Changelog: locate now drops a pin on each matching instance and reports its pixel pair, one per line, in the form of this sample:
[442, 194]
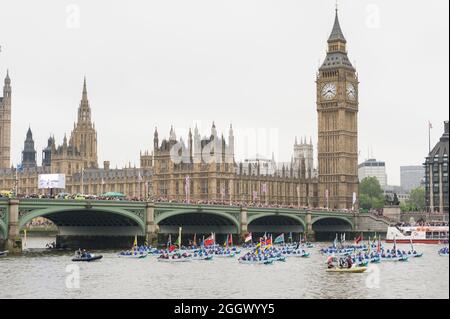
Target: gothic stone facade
[205, 170]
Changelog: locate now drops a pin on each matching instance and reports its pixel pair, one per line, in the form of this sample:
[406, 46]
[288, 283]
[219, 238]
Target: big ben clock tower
[337, 110]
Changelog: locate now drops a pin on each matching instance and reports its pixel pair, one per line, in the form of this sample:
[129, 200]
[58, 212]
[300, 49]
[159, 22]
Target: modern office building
[411, 177]
[373, 168]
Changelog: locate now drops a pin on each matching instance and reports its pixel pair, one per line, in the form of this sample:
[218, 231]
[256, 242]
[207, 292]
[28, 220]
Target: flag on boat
[379, 244]
[230, 240]
[269, 241]
[279, 239]
[179, 238]
[209, 241]
[358, 240]
[335, 242]
[135, 241]
[248, 238]
[172, 248]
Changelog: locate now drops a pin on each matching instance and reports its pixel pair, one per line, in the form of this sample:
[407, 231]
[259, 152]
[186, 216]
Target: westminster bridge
[114, 219]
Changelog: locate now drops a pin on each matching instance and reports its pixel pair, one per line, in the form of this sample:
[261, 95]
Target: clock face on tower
[329, 91]
[351, 92]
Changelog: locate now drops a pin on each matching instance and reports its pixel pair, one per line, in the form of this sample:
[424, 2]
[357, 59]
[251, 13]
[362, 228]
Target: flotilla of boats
[344, 258]
[340, 257]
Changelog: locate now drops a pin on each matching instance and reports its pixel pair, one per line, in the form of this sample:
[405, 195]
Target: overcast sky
[251, 63]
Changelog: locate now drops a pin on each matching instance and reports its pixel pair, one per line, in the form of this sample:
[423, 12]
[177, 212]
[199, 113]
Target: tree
[370, 194]
[416, 201]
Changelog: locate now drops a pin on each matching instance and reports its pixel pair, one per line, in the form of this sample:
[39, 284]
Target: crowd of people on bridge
[256, 204]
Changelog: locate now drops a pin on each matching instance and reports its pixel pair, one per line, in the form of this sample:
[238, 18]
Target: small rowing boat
[89, 257]
[394, 258]
[348, 270]
[295, 253]
[224, 255]
[135, 256]
[202, 257]
[174, 260]
[256, 262]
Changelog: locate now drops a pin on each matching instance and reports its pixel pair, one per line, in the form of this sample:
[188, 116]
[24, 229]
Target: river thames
[45, 274]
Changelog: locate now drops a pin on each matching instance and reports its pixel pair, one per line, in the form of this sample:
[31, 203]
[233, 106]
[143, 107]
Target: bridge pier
[13, 242]
[244, 224]
[309, 232]
[152, 228]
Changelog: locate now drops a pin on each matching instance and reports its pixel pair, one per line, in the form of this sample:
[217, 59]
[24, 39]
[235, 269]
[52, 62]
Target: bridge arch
[53, 214]
[197, 221]
[279, 222]
[331, 224]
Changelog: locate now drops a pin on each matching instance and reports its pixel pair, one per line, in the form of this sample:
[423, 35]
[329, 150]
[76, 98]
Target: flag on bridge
[279, 239]
[264, 188]
[255, 196]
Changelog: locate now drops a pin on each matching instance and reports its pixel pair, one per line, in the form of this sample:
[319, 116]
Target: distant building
[29, 153]
[436, 175]
[373, 168]
[265, 166]
[304, 155]
[411, 177]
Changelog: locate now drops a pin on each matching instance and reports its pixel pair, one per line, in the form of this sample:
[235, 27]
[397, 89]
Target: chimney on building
[106, 165]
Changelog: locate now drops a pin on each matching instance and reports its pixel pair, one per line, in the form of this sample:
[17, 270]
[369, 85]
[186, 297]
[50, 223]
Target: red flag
[230, 240]
[358, 239]
[209, 241]
[172, 248]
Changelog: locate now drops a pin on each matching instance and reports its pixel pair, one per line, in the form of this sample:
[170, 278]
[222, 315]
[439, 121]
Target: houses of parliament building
[204, 168]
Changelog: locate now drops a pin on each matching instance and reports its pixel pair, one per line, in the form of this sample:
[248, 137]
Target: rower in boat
[444, 252]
